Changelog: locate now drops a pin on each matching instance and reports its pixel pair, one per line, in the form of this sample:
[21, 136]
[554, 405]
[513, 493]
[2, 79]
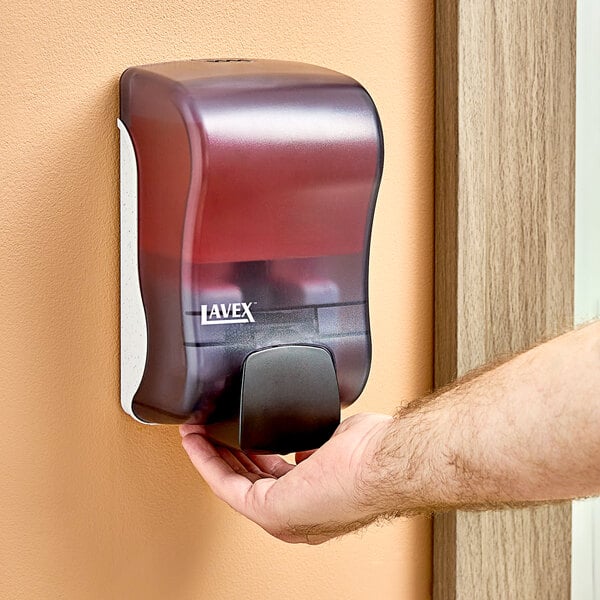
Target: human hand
[324, 495]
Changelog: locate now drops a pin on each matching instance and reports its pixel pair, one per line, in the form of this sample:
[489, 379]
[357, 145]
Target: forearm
[526, 431]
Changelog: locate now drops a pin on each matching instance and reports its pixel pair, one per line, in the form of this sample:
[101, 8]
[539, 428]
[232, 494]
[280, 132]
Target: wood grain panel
[445, 259]
[505, 124]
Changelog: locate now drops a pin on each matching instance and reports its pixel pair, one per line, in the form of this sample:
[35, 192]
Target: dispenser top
[236, 72]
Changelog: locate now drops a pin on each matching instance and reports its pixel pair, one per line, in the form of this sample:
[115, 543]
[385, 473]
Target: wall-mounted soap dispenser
[247, 196]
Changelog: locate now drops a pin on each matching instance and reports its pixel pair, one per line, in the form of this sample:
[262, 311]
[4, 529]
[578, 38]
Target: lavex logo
[222, 314]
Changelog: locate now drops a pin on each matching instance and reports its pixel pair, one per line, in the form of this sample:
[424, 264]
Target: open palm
[322, 496]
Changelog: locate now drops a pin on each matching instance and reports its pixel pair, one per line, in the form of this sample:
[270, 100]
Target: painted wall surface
[93, 505]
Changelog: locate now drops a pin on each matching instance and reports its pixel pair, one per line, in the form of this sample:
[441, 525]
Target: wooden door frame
[504, 240]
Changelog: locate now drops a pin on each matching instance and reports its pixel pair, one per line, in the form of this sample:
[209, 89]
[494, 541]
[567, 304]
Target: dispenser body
[256, 186]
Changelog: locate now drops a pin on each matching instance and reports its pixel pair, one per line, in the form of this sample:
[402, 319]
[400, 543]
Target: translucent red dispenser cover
[256, 188]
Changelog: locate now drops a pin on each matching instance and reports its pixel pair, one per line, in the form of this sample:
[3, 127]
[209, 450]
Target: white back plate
[134, 341]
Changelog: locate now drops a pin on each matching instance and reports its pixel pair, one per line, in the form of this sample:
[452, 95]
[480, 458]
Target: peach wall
[92, 505]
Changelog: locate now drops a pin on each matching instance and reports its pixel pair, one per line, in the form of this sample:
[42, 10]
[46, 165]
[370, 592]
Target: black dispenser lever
[289, 399]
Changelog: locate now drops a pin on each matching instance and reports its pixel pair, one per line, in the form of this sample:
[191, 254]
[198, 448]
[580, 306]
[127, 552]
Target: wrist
[408, 471]
[383, 479]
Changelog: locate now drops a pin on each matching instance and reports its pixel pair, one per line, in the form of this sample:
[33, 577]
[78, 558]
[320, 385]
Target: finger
[229, 486]
[237, 465]
[230, 459]
[272, 464]
[300, 456]
[187, 428]
[249, 464]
